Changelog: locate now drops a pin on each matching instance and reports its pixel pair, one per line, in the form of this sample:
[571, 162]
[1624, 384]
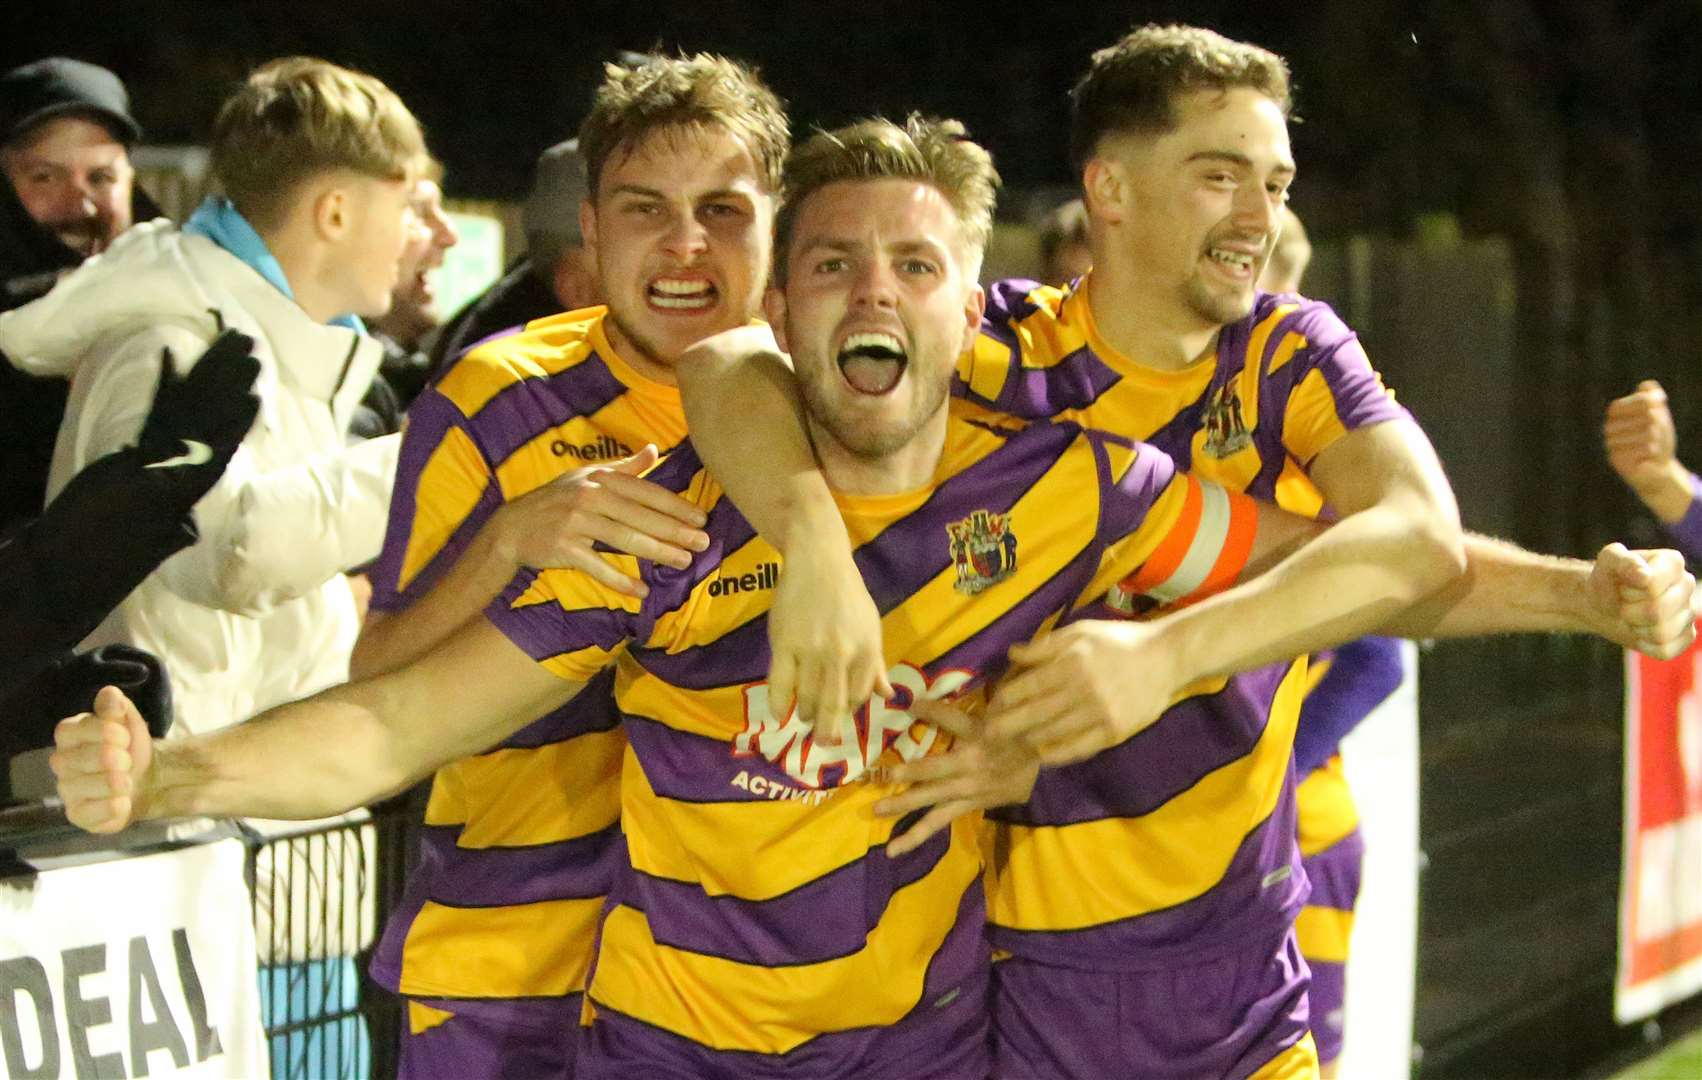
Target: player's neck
[1142, 323]
[908, 468]
[637, 356]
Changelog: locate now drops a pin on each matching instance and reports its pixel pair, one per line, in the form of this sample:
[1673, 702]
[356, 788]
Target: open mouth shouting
[679, 293]
[872, 362]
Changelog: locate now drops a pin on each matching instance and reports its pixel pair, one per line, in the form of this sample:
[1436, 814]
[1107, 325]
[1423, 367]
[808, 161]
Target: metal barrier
[322, 891]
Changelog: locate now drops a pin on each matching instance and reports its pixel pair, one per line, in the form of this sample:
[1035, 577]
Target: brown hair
[299, 116]
[1131, 86]
[936, 152]
[683, 91]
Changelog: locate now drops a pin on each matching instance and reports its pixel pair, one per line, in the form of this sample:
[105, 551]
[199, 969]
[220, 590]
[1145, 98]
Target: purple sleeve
[1686, 532]
[1335, 389]
[1362, 675]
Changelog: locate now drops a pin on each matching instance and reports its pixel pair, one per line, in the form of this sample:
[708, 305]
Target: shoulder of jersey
[543, 348]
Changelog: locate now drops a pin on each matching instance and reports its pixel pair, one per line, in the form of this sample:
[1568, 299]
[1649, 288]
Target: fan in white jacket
[258, 611]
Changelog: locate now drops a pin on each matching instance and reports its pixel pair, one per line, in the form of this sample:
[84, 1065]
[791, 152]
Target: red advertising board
[1660, 906]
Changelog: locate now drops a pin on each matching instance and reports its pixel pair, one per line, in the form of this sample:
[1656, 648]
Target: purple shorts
[1335, 876]
[1228, 1016]
[511, 1038]
[944, 1040]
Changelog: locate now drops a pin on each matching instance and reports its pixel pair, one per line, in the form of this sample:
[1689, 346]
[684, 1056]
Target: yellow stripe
[449, 487]
[1311, 425]
[1166, 857]
[985, 366]
[1316, 669]
[785, 843]
[1291, 344]
[696, 712]
[545, 348]
[494, 951]
[519, 798]
[1298, 1062]
[733, 1006]
[422, 1018]
[1324, 934]
[1324, 808]
[1296, 493]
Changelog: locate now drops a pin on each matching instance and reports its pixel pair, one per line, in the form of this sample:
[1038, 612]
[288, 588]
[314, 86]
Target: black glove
[198, 420]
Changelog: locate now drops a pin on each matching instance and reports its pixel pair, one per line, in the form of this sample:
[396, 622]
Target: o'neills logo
[765, 576]
[603, 448]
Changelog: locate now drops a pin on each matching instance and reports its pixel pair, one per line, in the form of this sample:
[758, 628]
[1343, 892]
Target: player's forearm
[1505, 590]
[310, 759]
[747, 424]
[1348, 581]
[1668, 494]
[391, 640]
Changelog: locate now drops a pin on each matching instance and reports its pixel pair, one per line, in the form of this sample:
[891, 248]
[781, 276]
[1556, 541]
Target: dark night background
[1525, 182]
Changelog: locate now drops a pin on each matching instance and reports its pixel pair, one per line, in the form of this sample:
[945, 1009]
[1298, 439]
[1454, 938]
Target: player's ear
[1105, 190]
[588, 229]
[974, 306]
[774, 310]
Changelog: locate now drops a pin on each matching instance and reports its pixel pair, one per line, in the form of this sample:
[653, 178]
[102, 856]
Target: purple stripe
[521, 412]
[1122, 513]
[546, 630]
[985, 653]
[1074, 382]
[1335, 873]
[690, 768]
[591, 710]
[728, 532]
[1190, 740]
[1238, 909]
[1686, 532]
[581, 868]
[430, 419]
[831, 917]
[943, 1038]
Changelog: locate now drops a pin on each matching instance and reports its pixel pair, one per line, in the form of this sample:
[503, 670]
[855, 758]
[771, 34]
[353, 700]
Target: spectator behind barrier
[62, 573]
[317, 165]
[67, 193]
[553, 276]
[413, 316]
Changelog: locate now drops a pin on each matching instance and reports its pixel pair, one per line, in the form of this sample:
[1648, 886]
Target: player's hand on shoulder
[556, 526]
[1645, 600]
[976, 773]
[101, 761]
[1085, 688]
[824, 638]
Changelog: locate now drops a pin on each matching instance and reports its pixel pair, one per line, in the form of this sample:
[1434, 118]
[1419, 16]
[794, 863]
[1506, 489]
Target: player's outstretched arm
[340, 749]
[553, 527]
[1643, 600]
[747, 424]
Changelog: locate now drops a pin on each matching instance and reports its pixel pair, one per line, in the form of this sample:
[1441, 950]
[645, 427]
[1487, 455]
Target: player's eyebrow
[1235, 157]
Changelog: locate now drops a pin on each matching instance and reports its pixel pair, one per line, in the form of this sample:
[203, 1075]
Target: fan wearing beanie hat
[65, 134]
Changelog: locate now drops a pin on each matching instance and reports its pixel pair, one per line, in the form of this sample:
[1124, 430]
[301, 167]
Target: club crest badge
[983, 549]
[1226, 431]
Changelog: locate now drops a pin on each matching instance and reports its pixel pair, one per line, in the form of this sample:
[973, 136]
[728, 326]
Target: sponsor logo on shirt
[765, 576]
[866, 734]
[602, 448]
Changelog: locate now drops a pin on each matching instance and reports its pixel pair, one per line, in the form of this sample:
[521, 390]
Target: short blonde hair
[931, 151]
[683, 91]
[299, 116]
